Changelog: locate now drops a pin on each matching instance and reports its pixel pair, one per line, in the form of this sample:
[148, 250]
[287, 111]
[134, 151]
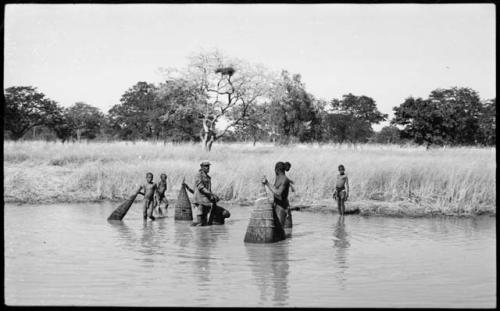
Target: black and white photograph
[278, 155]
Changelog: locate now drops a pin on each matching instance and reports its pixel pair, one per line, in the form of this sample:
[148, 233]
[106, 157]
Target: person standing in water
[288, 219]
[149, 196]
[219, 212]
[161, 197]
[203, 196]
[280, 191]
[341, 192]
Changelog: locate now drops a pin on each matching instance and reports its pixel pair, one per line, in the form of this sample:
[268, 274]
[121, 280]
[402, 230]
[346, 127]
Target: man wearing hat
[203, 196]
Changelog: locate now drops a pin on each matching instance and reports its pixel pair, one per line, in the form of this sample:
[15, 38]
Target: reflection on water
[203, 249]
[270, 269]
[183, 236]
[201, 262]
[149, 243]
[340, 236]
[125, 236]
[70, 255]
[341, 245]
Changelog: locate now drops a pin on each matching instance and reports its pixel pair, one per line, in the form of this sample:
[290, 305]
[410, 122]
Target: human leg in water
[199, 211]
[150, 209]
[341, 200]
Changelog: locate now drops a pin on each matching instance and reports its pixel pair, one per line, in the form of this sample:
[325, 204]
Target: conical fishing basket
[122, 209]
[183, 206]
[264, 226]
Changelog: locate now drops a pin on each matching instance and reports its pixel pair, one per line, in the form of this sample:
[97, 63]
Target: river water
[70, 255]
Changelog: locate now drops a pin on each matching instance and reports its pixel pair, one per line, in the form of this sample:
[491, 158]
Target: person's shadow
[341, 245]
[270, 268]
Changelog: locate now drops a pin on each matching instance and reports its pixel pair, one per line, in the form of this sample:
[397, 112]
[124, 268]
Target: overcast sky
[94, 52]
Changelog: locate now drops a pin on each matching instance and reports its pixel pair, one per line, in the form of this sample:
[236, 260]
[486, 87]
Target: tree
[359, 107]
[463, 106]
[423, 121]
[342, 128]
[351, 119]
[226, 89]
[254, 125]
[26, 108]
[293, 113]
[388, 135]
[487, 123]
[166, 111]
[137, 115]
[63, 129]
[84, 119]
[178, 100]
[448, 116]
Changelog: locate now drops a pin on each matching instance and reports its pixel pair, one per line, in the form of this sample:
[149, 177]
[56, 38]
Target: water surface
[70, 255]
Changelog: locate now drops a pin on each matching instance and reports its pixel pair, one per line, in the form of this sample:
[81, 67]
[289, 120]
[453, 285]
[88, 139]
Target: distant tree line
[217, 98]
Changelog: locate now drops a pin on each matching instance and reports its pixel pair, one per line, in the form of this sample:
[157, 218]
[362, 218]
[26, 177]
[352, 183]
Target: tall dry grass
[452, 180]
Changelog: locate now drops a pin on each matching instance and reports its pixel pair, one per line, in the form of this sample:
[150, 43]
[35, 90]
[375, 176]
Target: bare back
[282, 182]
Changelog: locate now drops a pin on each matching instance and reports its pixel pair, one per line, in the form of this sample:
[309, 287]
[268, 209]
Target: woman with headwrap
[280, 191]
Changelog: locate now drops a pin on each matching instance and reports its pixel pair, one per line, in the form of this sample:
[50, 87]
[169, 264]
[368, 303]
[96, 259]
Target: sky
[95, 52]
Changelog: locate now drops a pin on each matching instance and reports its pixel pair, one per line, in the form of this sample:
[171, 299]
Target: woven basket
[122, 209]
[183, 206]
[264, 226]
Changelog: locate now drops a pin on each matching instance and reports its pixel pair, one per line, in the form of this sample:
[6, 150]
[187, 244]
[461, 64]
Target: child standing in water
[341, 192]
[149, 196]
[161, 188]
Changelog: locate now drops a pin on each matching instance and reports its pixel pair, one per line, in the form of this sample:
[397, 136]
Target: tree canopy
[351, 119]
[137, 115]
[25, 108]
[453, 116]
[226, 88]
[84, 120]
[293, 115]
[218, 97]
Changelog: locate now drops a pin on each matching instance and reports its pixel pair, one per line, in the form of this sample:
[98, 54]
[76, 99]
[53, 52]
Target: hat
[204, 163]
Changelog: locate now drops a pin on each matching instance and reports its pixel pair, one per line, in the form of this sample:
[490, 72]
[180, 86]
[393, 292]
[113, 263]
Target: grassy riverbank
[452, 181]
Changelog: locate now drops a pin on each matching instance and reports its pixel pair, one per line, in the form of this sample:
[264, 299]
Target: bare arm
[291, 185]
[346, 188]
[277, 191]
[139, 190]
